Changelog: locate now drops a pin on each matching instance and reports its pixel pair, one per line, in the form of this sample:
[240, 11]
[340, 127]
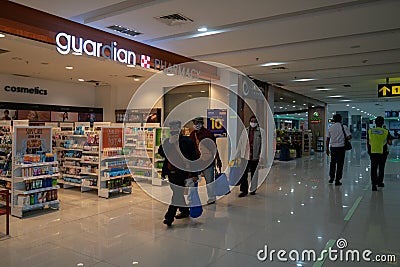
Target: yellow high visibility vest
[377, 139]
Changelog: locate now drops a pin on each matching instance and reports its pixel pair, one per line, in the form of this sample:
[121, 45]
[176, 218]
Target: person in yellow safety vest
[377, 141]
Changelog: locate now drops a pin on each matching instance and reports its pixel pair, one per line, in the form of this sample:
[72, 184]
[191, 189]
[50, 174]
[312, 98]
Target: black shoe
[167, 222]
[374, 188]
[242, 194]
[338, 183]
[331, 180]
[253, 193]
[181, 216]
[381, 185]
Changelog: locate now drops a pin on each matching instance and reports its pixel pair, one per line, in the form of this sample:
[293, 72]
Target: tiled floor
[295, 209]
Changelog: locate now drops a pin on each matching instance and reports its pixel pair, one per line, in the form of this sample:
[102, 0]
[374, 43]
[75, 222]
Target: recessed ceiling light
[202, 29]
[294, 101]
[130, 66]
[353, 107]
[313, 106]
[269, 64]
[304, 104]
[81, 80]
[345, 100]
[303, 80]
[281, 98]
[136, 79]
[202, 91]
[69, 67]
[170, 74]
[294, 106]
[280, 107]
[323, 89]
[2, 35]
[335, 96]
[347, 105]
[358, 109]
[77, 53]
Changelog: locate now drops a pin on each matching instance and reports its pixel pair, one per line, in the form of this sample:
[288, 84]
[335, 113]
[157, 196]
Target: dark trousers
[177, 184]
[377, 162]
[244, 183]
[337, 162]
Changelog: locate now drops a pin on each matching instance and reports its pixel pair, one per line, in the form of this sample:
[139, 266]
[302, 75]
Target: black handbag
[347, 144]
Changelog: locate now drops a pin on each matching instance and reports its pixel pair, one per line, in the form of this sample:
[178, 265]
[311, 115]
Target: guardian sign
[67, 43]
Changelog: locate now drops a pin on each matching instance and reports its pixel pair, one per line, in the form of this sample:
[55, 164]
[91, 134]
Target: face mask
[197, 126]
[253, 124]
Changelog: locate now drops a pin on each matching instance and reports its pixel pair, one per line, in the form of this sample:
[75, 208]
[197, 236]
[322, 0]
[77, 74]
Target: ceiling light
[136, 79]
[170, 74]
[347, 105]
[323, 89]
[303, 80]
[81, 80]
[313, 106]
[2, 35]
[77, 53]
[358, 109]
[130, 66]
[202, 91]
[294, 101]
[280, 107]
[69, 67]
[202, 29]
[345, 100]
[294, 106]
[304, 104]
[353, 107]
[269, 64]
[335, 96]
[281, 98]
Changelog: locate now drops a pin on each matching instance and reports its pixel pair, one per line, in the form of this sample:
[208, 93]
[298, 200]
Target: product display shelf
[34, 175]
[114, 176]
[77, 149]
[143, 145]
[5, 155]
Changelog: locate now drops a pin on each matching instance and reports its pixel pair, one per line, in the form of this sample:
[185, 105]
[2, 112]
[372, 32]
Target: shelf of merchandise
[5, 154]
[113, 158]
[143, 144]
[30, 191]
[85, 149]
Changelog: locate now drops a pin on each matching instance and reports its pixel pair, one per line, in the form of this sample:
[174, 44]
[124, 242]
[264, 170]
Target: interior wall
[58, 93]
[105, 98]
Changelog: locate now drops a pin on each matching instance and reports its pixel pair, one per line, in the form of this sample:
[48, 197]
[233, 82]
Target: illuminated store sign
[69, 43]
[315, 118]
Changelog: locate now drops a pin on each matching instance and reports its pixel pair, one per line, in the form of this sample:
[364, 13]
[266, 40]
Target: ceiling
[347, 46]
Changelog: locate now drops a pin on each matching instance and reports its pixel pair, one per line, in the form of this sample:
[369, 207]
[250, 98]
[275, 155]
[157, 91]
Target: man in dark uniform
[178, 151]
[377, 141]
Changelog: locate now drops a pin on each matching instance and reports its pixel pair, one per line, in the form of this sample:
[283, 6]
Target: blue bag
[234, 175]
[196, 209]
[221, 184]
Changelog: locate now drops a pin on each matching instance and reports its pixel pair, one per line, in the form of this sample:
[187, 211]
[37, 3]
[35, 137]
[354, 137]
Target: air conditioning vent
[21, 75]
[279, 84]
[174, 19]
[123, 30]
[134, 76]
[346, 85]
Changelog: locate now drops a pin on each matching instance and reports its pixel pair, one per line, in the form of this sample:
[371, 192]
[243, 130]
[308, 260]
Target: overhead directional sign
[389, 90]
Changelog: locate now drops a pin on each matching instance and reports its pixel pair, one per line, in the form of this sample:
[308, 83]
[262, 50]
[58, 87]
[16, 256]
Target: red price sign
[112, 137]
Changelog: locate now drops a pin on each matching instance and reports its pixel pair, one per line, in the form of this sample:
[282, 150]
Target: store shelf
[74, 149]
[8, 179]
[141, 157]
[75, 159]
[142, 177]
[76, 135]
[90, 152]
[26, 178]
[115, 177]
[91, 162]
[66, 175]
[89, 173]
[39, 205]
[141, 168]
[72, 167]
[116, 157]
[119, 189]
[90, 186]
[70, 183]
[28, 165]
[20, 192]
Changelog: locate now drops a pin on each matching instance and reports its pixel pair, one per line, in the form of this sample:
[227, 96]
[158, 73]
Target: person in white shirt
[335, 138]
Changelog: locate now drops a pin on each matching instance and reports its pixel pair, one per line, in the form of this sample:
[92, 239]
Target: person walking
[197, 135]
[252, 150]
[336, 136]
[377, 145]
[177, 150]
